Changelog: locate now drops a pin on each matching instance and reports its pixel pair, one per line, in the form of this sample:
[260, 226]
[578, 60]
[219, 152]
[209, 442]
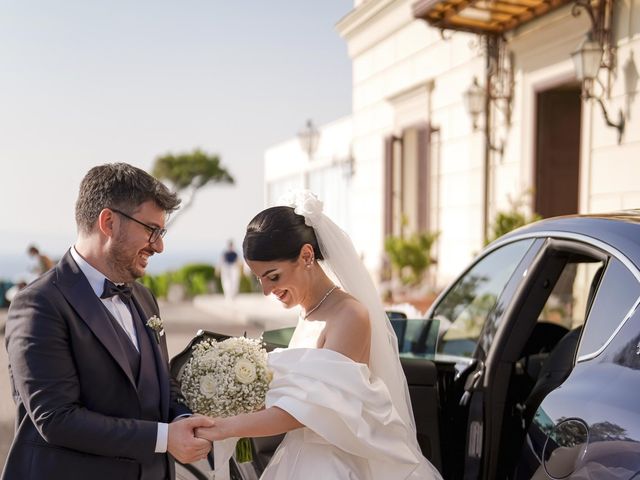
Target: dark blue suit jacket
[78, 408]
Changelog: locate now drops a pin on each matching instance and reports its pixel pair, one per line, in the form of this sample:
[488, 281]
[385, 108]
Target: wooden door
[557, 151]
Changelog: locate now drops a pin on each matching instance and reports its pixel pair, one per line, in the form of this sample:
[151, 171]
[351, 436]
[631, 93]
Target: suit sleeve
[45, 376]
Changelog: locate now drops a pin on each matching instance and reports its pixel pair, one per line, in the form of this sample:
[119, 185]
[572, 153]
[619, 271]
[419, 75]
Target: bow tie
[111, 289]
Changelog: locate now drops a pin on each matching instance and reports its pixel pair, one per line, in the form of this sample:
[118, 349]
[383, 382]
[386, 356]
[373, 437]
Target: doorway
[557, 157]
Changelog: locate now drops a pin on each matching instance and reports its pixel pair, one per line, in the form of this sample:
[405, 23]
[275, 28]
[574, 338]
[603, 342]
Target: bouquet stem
[243, 451]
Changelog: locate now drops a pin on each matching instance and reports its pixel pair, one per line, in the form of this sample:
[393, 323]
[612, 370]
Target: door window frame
[552, 241]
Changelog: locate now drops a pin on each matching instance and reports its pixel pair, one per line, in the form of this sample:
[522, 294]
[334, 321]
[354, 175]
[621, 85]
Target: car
[527, 364]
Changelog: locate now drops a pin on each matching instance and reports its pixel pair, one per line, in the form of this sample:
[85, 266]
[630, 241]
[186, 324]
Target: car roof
[619, 230]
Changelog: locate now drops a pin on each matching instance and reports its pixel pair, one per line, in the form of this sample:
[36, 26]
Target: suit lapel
[76, 289]
[158, 350]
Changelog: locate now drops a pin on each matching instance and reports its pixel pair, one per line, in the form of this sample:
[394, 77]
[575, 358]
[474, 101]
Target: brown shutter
[388, 185]
[424, 180]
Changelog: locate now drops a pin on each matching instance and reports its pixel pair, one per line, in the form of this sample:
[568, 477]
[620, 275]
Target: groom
[89, 374]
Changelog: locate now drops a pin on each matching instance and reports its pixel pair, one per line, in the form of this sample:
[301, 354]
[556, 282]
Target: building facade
[418, 161]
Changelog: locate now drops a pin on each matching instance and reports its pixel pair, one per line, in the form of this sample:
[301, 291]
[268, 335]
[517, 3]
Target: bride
[338, 390]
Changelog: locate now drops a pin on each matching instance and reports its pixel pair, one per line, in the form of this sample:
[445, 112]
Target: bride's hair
[278, 233]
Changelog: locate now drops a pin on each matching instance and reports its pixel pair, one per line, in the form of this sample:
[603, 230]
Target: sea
[20, 267]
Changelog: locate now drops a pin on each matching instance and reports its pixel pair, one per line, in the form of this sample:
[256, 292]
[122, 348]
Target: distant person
[87, 352]
[230, 272]
[44, 262]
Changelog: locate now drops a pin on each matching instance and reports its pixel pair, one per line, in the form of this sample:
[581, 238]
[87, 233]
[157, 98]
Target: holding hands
[215, 431]
[183, 442]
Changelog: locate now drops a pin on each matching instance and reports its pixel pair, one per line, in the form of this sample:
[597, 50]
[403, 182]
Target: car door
[468, 312]
[588, 426]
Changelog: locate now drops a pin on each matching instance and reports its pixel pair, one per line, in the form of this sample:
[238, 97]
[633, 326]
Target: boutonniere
[155, 324]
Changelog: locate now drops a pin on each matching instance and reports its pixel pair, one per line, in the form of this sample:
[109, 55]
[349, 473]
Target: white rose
[208, 386]
[245, 371]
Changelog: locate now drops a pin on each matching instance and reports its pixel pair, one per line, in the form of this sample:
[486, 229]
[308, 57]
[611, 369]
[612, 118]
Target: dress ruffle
[346, 413]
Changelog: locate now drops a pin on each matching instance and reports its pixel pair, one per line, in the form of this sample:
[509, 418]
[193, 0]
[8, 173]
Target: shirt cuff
[162, 437]
[184, 415]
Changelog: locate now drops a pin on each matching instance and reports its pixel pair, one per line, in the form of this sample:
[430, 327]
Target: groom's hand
[182, 443]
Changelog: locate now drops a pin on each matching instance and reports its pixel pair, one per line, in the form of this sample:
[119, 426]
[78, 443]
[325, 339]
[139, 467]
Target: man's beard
[123, 261]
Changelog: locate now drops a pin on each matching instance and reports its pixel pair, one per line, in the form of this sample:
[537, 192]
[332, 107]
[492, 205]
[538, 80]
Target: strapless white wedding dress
[352, 430]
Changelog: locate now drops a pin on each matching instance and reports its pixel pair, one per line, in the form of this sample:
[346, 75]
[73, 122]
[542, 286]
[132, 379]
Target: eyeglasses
[156, 232]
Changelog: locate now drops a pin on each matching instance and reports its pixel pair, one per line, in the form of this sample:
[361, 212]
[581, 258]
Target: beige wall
[394, 54]
[405, 73]
[328, 173]
[611, 170]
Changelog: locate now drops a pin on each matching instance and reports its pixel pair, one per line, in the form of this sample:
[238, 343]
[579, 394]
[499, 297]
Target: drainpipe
[487, 141]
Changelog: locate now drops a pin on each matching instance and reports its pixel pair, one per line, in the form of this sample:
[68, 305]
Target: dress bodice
[306, 333]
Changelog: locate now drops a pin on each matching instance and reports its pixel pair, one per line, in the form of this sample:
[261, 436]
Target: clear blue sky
[89, 82]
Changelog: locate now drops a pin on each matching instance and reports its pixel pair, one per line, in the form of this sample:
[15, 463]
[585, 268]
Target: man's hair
[121, 186]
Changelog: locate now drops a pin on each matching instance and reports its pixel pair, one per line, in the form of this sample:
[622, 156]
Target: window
[616, 294]
[331, 184]
[568, 303]
[465, 308]
[407, 181]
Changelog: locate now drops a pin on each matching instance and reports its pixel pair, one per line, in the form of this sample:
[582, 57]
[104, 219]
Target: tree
[188, 172]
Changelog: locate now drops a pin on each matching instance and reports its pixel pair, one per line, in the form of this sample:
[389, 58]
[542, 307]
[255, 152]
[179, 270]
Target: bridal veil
[343, 264]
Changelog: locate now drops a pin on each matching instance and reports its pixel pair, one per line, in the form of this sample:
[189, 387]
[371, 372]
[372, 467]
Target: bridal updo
[278, 233]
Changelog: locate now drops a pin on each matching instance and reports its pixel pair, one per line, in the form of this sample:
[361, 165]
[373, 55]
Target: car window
[616, 294]
[416, 337]
[464, 309]
[569, 300]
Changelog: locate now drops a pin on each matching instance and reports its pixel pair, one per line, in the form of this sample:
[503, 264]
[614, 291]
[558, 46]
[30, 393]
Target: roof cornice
[353, 21]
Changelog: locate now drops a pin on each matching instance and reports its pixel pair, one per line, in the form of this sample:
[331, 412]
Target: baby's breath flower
[226, 378]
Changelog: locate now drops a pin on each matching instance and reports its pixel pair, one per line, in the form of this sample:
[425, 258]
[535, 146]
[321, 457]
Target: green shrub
[248, 284]
[217, 281]
[194, 277]
[158, 284]
[197, 284]
[506, 221]
[411, 256]
[161, 284]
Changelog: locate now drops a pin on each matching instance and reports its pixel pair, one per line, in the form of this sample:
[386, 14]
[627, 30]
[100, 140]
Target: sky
[83, 83]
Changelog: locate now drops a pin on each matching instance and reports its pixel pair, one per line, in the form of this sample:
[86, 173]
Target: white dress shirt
[123, 316]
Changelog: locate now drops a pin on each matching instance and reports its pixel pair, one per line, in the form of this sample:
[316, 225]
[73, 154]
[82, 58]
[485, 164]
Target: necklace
[306, 315]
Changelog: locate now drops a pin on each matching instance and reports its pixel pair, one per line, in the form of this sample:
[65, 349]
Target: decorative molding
[360, 17]
[423, 88]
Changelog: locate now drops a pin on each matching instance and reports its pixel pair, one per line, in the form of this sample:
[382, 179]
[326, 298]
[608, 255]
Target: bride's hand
[215, 432]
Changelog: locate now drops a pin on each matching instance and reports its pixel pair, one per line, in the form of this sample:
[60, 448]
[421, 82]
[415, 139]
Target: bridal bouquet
[226, 378]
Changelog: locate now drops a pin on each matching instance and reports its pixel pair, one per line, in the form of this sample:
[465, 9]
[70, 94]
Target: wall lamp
[596, 53]
[495, 95]
[476, 101]
[473, 99]
[497, 92]
[309, 139]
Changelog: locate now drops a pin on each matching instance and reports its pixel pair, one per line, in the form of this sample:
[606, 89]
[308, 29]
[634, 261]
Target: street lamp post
[309, 139]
